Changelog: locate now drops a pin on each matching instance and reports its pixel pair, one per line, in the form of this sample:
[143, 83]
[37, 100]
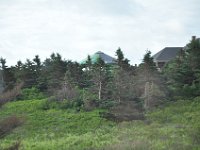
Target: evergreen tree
[88, 63]
[87, 74]
[123, 79]
[17, 71]
[120, 56]
[7, 75]
[99, 76]
[25, 73]
[147, 68]
[37, 69]
[183, 73]
[53, 72]
[193, 53]
[150, 82]
[121, 61]
[75, 73]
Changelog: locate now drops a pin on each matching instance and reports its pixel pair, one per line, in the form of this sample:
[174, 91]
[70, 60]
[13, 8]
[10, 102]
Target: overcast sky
[76, 28]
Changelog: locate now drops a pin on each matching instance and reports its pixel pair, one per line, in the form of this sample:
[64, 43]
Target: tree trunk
[100, 90]
[147, 95]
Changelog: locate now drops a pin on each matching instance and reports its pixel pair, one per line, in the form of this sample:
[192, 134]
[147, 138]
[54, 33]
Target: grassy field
[174, 127]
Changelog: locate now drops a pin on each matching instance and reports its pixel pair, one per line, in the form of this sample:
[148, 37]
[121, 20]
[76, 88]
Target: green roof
[106, 58]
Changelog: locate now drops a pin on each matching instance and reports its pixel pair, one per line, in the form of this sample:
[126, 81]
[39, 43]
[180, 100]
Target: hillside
[176, 126]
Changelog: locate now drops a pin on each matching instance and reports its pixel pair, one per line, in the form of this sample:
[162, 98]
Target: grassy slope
[56, 129]
[177, 126]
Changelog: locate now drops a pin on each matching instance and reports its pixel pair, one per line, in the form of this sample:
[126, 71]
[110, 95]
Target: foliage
[98, 77]
[123, 79]
[60, 122]
[150, 83]
[57, 128]
[52, 103]
[97, 81]
[183, 72]
[174, 127]
[31, 93]
[121, 60]
[65, 79]
[90, 100]
[52, 74]
[147, 71]
[123, 85]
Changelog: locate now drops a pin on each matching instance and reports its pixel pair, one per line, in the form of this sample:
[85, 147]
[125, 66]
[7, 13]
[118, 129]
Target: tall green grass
[48, 129]
[173, 127]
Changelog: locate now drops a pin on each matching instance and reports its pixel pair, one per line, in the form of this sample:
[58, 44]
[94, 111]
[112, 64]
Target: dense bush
[52, 103]
[106, 104]
[48, 104]
[31, 93]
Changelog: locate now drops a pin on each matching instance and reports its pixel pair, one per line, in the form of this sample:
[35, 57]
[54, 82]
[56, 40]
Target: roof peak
[167, 53]
[99, 52]
[106, 58]
[174, 47]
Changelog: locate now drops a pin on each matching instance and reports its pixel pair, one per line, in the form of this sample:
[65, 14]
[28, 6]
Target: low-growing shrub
[31, 93]
[52, 103]
[49, 104]
[105, 104]
[90, 104]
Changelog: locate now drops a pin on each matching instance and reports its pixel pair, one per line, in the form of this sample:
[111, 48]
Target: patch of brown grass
[9, 124]
[10, 95]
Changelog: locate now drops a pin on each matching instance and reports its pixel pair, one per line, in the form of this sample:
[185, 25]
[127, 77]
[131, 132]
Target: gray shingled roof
[106, 58]
[167, 54]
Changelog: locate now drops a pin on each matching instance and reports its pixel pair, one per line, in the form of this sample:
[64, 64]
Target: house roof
[166, 54]
[106, 58]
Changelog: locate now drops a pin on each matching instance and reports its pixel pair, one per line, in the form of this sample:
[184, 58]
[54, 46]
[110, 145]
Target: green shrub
[53, 103]
[90, 101]
[47, 104]
[107, 104]
[31, 93]
[70, 104]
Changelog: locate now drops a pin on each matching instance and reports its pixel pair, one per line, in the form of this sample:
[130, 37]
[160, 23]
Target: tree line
[101, 84]
[97, 81]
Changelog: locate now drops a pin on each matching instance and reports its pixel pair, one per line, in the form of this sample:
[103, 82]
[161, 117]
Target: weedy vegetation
[175, 126]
